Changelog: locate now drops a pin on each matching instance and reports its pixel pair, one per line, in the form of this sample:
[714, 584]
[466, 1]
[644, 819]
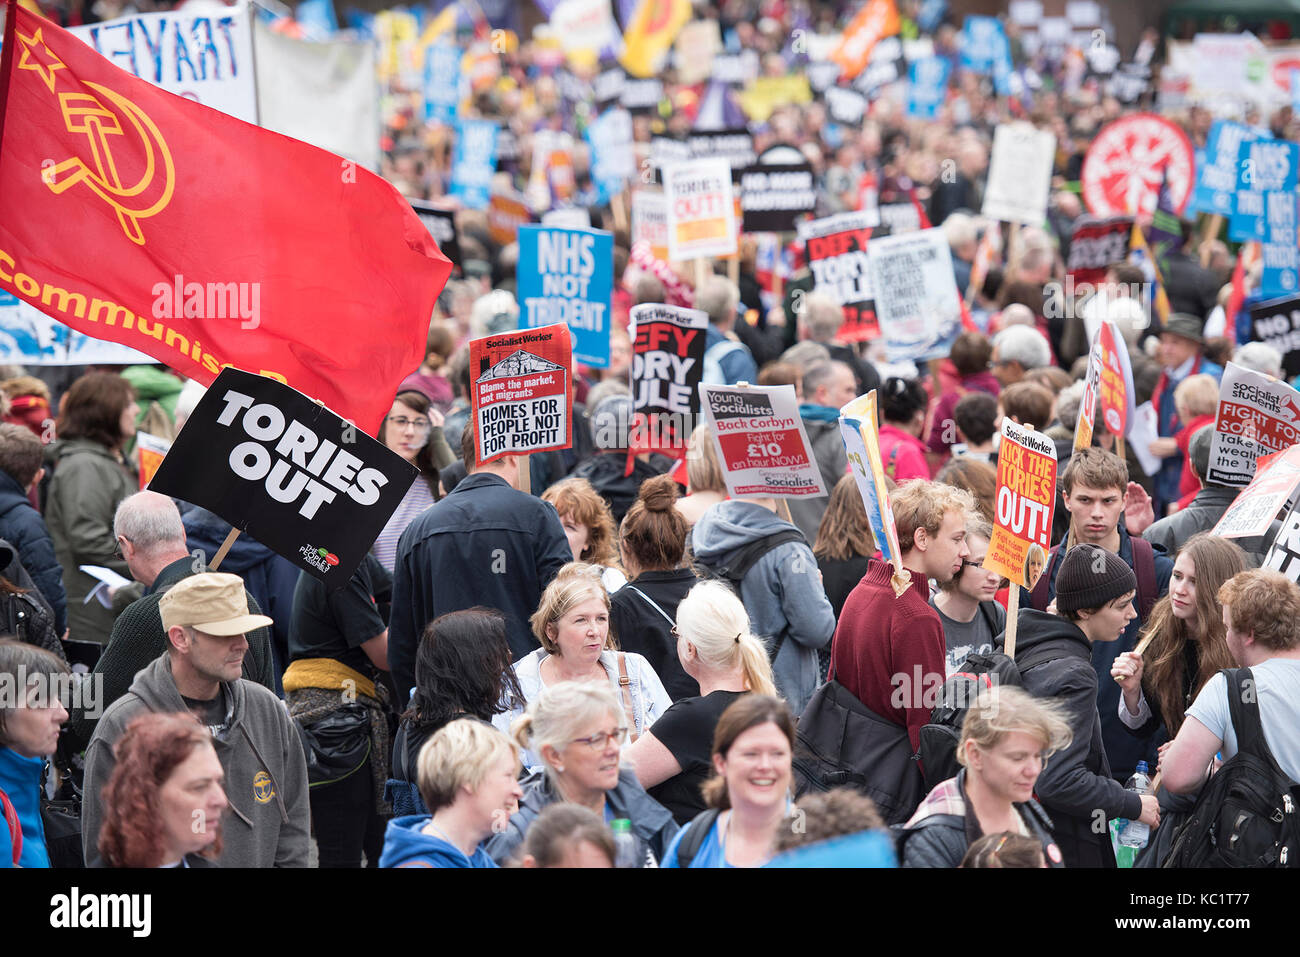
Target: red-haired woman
[163, 804]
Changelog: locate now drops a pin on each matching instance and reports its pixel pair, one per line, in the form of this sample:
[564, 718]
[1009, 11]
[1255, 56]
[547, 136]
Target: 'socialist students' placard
[667, 364]
[1026, 493]
[520, 391]
[1252, 512]
[302, 481]
[761, 441]
[1256, 415]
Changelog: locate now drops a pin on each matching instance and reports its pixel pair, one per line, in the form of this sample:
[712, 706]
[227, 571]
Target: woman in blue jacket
[469, 778]
[29, 733]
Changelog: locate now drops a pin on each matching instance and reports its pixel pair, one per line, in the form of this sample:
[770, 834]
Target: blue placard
[442, 82]
[927, 85]
[613, 160]
[1216, 170]
[567, 275]
[1263, 166]
[983, 44]
[1280, 251]
[475, 162]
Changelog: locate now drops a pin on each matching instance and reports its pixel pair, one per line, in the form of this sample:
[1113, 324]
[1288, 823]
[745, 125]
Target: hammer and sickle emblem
[99, 118]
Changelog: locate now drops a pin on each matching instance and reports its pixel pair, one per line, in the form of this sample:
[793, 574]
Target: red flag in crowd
[142, 217]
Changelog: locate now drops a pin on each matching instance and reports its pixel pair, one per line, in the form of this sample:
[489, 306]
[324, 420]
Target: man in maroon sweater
[888, 651]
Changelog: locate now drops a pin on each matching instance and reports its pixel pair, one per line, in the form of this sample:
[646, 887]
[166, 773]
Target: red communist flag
[142, 217]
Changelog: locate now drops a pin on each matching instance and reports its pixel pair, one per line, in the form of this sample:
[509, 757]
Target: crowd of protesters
[563, 676]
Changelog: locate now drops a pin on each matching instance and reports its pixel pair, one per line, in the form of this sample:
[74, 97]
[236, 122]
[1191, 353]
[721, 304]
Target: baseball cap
[213, 602]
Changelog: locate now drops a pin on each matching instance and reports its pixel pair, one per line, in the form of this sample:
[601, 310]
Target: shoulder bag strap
[653, 604]
[15, 826]
[1144, 566]
[625, 685]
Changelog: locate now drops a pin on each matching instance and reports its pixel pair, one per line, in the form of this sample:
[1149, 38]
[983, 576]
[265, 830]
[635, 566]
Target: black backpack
[939, 738]
[1245, 815]
[734, 571]
[840, 742]
[697, 829]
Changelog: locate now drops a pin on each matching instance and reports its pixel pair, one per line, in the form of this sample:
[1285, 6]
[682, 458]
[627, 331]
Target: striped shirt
[417, 499]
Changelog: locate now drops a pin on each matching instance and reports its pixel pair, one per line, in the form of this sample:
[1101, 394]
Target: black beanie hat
[1090, 577]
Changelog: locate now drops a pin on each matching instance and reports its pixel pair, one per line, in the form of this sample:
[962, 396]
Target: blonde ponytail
[713, 619]
[755, 665]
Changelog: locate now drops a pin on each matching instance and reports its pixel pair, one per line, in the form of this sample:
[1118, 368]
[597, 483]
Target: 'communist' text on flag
[138, 216]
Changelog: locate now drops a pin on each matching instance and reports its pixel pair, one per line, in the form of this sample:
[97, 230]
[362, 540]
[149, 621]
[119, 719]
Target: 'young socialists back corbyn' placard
[305, 483]
[667, 364]
[520, 392]
[1022, 529]
[567, 275]
[761, 441]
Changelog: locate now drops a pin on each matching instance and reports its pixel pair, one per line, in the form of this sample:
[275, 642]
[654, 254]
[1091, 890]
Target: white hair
[1024, 345]
[1259, 357]
[147, 520]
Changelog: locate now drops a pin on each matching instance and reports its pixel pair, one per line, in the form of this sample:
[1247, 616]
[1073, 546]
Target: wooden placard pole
[224, 550]
[619, 208]
[1013, 613]
[701, 272]
[1212, 227]
[525, 475]
[733, 268]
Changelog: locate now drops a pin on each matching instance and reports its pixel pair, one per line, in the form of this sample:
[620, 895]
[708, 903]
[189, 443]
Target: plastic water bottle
[1135, 833]
[625, 852]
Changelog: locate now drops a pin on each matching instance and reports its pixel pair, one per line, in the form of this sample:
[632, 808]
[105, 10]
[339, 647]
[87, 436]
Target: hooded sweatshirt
[268, 822]
[782, 592]
[1076, 782]
[20, 780]
[405, 845]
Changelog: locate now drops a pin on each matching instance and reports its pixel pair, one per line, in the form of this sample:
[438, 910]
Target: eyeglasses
[597, 740]
[117, 552]
[402, 422]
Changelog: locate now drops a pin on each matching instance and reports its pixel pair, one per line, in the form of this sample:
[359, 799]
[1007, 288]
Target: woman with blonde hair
[717, 649]
[577, 729]
[749, 793]
[1188, 646]
[589, 527]
[469, 780]
[572, 624]
[1005, 741]
[705, 484]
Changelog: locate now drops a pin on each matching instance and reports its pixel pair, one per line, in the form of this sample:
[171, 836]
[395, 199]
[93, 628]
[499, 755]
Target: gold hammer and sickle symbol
[89, 114]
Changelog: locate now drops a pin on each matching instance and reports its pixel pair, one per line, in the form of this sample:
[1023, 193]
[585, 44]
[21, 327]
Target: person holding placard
[1054, 652]
[827, 387]
[881, 635]
[1185, 647]
[1181, 355]
[486, 543]
[971, 617]
[726, 359]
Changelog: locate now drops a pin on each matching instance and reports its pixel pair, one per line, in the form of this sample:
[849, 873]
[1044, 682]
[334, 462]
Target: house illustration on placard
[518, 363]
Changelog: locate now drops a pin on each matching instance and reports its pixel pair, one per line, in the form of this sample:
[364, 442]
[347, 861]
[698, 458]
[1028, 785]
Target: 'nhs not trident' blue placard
[567, 275]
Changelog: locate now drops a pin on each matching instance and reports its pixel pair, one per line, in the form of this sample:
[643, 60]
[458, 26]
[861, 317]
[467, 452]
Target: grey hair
[496, 312]
[718, 297]
[818, 374]
[560, 713]
[1198, 451]
[1259, 357]
[823, 316]
[1024, 345]
[1067, 403]
[959, 230]
[806, 353]
[147, 520]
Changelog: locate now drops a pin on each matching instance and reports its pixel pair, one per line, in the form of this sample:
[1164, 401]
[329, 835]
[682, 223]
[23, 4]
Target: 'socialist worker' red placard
[521, 393]
[1022, 530]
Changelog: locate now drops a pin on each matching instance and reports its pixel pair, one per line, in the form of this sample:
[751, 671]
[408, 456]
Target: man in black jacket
[485, 543]
[1094, 601]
